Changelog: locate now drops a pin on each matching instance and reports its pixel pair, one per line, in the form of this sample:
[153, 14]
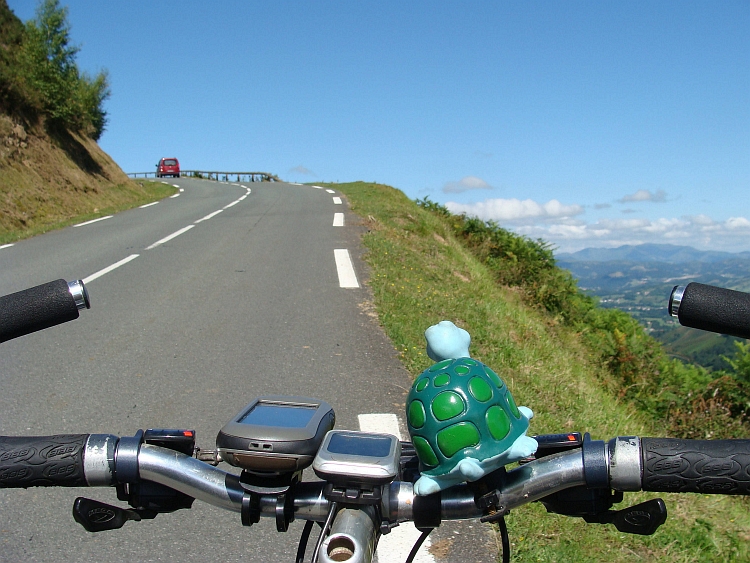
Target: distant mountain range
[639, 279]
[665, 253]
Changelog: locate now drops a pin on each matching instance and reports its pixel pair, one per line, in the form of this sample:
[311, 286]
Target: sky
[585, 124]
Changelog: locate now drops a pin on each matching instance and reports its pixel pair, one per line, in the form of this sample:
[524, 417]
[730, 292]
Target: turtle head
[446, 341]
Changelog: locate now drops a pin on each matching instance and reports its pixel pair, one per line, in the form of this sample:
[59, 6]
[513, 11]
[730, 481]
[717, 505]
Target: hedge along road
[199, 303]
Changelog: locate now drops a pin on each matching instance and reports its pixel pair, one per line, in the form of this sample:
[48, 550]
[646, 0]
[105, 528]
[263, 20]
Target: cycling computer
[275, 434]
[348, 458]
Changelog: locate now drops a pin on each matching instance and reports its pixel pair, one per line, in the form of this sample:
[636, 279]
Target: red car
[168, 167]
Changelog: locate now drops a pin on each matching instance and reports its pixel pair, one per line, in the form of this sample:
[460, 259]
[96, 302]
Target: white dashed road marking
[337, 200]
[5, 246]
[170, 237]
[108, 269]
[345, 268]
[93, 221]
[148, 205]
[338, 219]
[207, 217]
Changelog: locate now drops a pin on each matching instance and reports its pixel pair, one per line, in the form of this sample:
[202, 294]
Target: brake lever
[642, 519]
[97, 516]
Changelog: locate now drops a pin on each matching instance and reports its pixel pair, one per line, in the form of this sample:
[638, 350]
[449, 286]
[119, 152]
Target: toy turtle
[461, 416]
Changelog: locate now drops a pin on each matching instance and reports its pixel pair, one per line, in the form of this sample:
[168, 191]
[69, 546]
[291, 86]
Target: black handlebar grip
[712, 308]
[42, 461]
[696, 466]
[35, 309]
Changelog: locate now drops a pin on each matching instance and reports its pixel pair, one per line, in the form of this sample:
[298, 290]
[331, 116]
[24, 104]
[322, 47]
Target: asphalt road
[199, 303]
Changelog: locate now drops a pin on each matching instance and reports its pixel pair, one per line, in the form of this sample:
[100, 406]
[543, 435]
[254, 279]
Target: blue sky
[582, 123]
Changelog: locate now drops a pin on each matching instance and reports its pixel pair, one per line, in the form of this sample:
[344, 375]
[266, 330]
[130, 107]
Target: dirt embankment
[48, 177]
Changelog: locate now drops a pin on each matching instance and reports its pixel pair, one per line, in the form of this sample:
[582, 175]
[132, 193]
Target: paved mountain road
[244, 299]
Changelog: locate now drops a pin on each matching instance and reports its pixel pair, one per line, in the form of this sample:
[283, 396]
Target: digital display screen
[365, 446]
[279, 415]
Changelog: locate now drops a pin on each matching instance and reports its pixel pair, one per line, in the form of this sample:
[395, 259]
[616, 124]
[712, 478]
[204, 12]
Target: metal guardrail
[218, 176]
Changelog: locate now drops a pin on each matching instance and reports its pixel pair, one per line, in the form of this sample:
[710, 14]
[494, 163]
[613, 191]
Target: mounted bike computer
[348, 458]
[275, 434]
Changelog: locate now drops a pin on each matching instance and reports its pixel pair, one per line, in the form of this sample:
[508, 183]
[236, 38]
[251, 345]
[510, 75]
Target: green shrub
[39, 73]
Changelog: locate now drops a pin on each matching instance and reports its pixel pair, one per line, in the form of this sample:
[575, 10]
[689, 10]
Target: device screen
[366, 446]
[279, 415]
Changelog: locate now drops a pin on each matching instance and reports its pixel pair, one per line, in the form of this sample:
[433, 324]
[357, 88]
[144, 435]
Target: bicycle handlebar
[41, 307]
[632, 464]
[711, 308]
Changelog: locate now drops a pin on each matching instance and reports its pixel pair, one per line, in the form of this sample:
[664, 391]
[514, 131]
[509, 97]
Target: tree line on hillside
[39, 76]
[690, 400]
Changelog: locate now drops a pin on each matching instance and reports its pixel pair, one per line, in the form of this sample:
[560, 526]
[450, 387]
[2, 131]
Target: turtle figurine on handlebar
[461, 416]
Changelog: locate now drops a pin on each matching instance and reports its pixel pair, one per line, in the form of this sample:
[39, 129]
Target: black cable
[302, 546]
[324, 531]
[418, 544]
[505, 540]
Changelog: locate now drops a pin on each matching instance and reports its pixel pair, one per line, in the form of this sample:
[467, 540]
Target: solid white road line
[207, 217]
[148, 205]
[347, 277]
[337, 200]
[170, 237]
[93, 221]
[108, 269]
[5, 246]
[232, 204]
[396, 545]
[338, 219]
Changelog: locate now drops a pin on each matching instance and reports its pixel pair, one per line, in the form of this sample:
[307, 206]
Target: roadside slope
[420, 274]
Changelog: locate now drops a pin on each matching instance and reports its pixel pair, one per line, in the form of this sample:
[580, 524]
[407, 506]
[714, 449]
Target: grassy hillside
[421, 274]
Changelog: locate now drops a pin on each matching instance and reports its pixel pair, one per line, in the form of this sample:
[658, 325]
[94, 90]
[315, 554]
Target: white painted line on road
[295, 184]
[175, 186]
[243, 197]
[338, 219]
[170, 237]
[231, 204]
[5, 246]
[347, 277]
[93, 221]
[243, 186]
[337, 200]
[174, 196]
[148, 205]
[163, 182]
[396, 545]
[331, 191]
[108, 269]
[207, 217]
[317, 187]
[181, 190]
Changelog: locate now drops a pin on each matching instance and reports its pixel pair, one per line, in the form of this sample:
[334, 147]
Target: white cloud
[466, 184]
[645, 195]
[302, 170]
[565, 227]
[515, 209]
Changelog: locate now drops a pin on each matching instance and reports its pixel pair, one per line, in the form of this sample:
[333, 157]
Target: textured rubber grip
[696, 466]
[715, 309]
[35, 309]
[42, 461]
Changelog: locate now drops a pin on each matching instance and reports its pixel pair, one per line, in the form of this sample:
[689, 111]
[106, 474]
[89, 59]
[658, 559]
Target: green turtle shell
[461, 408]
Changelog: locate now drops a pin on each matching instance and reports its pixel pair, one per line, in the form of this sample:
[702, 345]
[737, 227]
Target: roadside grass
[420, 274]
[46, 212]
